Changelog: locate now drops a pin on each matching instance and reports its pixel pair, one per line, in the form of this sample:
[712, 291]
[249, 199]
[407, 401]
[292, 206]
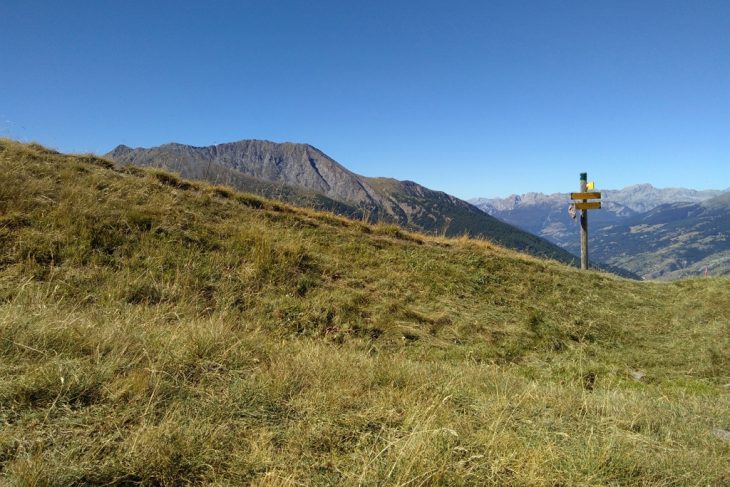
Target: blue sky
[480, 98]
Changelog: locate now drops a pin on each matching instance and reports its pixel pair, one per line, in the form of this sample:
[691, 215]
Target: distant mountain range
[655, 233]
[304, 175]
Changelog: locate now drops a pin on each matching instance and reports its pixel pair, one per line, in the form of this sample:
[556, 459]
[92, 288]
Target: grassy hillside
[160, 332]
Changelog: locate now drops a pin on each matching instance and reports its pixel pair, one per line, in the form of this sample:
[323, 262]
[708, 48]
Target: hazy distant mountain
[644, 197]
[639, 198]
[547, 216]
[302, 174]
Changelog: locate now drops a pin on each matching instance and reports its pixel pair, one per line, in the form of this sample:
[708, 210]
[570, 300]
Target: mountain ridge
[305, 167]
[291, 163]
[633, 196]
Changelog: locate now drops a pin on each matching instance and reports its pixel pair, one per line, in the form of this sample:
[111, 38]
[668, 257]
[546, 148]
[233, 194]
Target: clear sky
[478, 98]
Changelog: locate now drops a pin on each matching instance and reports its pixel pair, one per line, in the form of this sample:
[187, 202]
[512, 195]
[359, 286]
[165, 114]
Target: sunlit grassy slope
[161, 332]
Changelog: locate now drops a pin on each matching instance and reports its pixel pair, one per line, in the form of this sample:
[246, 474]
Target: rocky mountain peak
[300, 165]
[119, 150]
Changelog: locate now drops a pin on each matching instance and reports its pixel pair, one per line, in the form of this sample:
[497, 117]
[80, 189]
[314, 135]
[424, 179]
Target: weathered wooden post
[584, 205]
[584, 224]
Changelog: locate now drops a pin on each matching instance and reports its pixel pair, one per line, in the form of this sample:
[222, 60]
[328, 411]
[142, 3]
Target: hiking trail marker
[580, 202]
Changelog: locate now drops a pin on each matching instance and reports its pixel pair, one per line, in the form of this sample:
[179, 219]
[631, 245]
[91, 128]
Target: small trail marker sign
[580, 202]
[593, 205]
[585, 196]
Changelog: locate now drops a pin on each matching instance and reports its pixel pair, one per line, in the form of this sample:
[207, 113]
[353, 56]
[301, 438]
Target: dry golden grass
[157, 331]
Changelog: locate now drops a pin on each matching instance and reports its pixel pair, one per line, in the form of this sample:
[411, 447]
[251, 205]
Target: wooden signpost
[593, 205]
[580, 202]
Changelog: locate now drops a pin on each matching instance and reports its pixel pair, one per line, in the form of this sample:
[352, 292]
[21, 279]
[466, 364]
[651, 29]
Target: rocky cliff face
[299, 165]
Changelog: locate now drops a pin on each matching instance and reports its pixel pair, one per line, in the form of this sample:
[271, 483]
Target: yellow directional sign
[593, 205]
[585, 196]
